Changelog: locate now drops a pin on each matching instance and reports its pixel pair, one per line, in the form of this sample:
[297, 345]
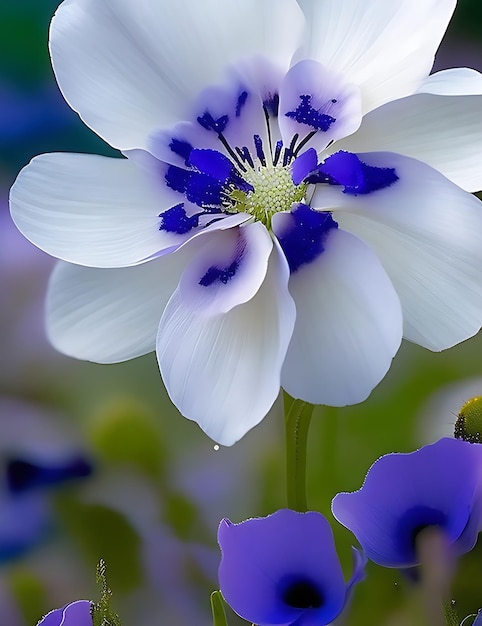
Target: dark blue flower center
[412, 523]
[252, 171]
[302, 593]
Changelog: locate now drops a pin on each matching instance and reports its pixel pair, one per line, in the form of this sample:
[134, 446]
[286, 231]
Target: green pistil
[274, 191]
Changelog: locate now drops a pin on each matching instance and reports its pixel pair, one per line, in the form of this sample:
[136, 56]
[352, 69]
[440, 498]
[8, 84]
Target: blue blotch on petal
[304, 241]
[218, 166]
[212, 163]
[357, 178]
[175, 220]
[177, 178]
[223, 275]
[303, 165]
[306, 114]
[243, 96]
[204, 190]
[182, 148]
[207, 121]
[23, 475]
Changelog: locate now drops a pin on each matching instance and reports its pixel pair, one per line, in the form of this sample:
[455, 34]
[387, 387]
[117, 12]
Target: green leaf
[217, 607]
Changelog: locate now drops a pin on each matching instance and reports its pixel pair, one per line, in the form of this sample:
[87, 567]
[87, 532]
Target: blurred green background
[159, 487]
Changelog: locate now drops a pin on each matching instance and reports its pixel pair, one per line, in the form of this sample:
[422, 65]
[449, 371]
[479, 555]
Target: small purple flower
[74, 614]
[283, 569]
[439, 485]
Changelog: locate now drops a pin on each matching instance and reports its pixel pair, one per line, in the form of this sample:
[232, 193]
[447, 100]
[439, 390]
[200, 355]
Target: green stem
[450, 613]
[217, 608]
[297, 423]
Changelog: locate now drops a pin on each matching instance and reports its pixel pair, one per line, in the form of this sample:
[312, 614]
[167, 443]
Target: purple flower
[74, 614]
[283, 569]
[438, 485]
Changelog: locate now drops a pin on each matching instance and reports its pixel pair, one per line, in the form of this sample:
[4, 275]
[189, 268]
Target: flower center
[273, 191]
[302, 594]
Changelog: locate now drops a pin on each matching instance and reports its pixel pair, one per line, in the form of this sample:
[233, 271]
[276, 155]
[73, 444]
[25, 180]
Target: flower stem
[450, 613]
[297, 422]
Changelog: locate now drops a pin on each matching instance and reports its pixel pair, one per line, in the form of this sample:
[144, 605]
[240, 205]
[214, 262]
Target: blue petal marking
[214, 273]
[199, 188]
[182, 148]
[207, 121]
[219, 167]
[177, 178]
[271, 104]
[212, 163]
[304, 241]
[357, 178]
[25, 475]
[204, 190]
[243, 96]
[306, 114]
[175, 220]
[303, 165]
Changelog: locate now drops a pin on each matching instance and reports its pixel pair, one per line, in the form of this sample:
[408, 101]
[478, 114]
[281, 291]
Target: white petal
[426, 232]
[348, 324]
[130, 67]
[223, 372]
[240, 254]
[385, 47]
[110, 315]
[91, 210]
[443, 131]
[457, 81]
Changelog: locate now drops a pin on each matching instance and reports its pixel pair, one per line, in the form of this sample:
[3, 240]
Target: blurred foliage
[126, 432]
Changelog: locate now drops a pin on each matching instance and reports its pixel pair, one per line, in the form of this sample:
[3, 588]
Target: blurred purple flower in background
[284, 569]
[74, 614]
[36, 455]
[438, 486]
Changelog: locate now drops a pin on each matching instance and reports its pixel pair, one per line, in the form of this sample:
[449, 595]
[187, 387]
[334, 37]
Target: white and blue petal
[227, 270]
[223, 371]
[92, 210]
[110, 315]
[387, 48]
[129, 68]
[317, 105]
[444, 131]
[348, 319]
[426, 232]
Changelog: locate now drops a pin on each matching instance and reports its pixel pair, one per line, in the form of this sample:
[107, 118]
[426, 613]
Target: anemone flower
[438, 486]
[283, 569]
[74, 614]
[294, 196]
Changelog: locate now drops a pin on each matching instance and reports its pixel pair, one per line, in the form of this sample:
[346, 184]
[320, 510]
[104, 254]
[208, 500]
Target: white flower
[295, 185]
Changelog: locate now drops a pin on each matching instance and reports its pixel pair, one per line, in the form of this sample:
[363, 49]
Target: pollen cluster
[274, 191]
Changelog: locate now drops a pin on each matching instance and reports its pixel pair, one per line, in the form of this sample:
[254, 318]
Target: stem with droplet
[297, 422]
